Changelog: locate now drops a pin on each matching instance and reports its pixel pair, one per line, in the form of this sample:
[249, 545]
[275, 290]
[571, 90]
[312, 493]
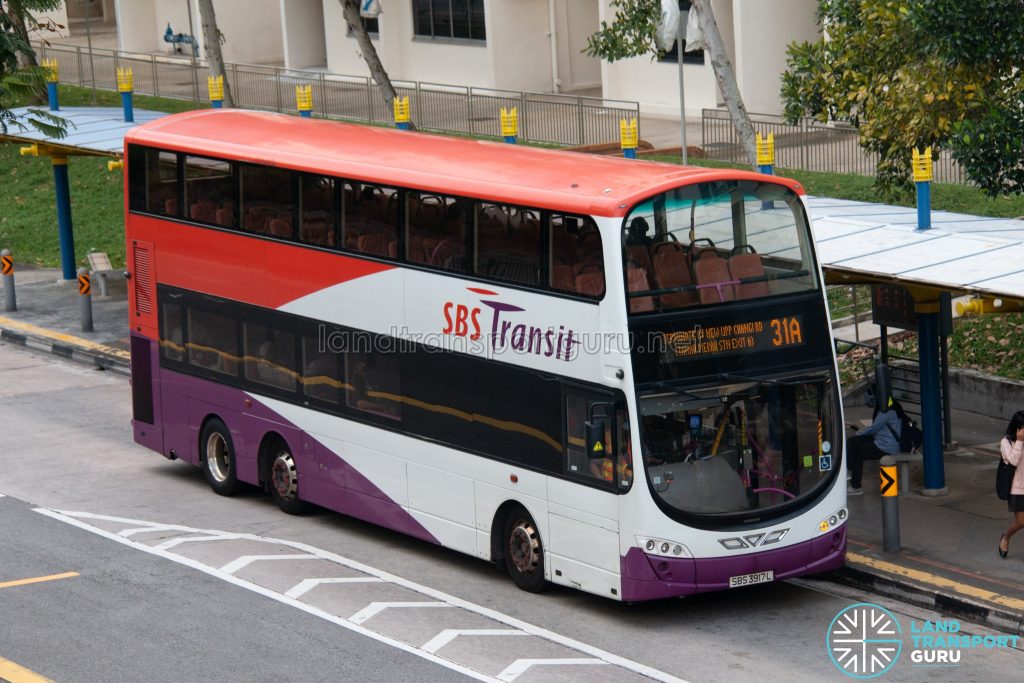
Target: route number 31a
[786, 332]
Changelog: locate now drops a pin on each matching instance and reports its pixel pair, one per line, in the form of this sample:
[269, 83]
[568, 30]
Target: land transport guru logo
[507, 329]
[864, 640]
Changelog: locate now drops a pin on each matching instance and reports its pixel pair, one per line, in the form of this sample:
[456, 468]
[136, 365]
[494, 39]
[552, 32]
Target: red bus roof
[498, 172]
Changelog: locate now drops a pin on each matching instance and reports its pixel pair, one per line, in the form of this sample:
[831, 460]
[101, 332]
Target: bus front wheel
[218, 457]
[283, 477]
[523, 551]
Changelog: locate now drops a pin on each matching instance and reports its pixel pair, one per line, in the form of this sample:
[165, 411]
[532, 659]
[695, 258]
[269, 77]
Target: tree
[212, 40]
[20, 78]
[632, 32]
[350, 8]
[919, 73]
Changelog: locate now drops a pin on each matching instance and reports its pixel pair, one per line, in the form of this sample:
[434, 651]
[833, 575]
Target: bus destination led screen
[751, 336]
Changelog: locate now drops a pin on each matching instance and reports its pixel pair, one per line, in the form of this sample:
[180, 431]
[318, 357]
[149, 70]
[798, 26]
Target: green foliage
[918, 73]
[18, 78]
[631, 34]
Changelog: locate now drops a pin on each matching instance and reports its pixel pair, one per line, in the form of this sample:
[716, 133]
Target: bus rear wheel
[218, 458]
[283, 477]
[523, 551]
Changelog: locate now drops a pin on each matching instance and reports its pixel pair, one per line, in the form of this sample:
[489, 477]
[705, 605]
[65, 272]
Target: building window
[449, 19]
[689, 56]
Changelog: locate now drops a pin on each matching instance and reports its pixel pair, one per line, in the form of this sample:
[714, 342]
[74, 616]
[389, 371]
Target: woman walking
[1011, 448]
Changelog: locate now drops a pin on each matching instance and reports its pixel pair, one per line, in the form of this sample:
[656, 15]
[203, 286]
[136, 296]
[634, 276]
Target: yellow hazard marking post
[7, 264]
[15, 673]
[935, 581]
[84, 284]
[38, 579]
[888, 476]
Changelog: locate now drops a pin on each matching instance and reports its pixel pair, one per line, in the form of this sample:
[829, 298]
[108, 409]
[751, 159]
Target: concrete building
[533, 45]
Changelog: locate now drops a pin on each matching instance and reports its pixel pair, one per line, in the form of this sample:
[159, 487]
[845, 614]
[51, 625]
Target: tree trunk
[355, 22]
[726, 78]
[211, 43]
[17, 16]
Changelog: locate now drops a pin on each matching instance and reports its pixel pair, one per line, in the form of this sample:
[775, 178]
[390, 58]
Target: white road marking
[520, 666]
[146, 529]
[449, 634]
[306, 585]
[239, 563]
[76, 519]
[216, 536]
[375, 608]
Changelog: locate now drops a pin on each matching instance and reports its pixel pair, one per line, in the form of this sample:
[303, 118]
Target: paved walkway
[948, 560]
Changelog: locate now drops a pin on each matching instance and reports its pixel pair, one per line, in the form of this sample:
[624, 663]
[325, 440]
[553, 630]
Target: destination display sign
[744, 336]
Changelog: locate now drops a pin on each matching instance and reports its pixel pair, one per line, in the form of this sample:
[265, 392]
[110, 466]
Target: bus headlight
[663, 548]
[834, 520]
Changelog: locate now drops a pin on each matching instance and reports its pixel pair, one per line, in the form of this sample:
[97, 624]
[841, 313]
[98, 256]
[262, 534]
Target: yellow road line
[38, 579]
[14, 673]
[62, 337]
[936, 581]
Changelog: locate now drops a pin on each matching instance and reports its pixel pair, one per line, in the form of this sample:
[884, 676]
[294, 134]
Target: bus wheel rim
[524, 547]
[283, 476]
[217, 458]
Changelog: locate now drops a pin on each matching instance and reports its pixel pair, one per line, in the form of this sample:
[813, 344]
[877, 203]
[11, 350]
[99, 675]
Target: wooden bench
[904, 461]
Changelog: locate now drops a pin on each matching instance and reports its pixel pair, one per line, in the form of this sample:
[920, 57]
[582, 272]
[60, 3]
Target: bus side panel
[174, 417]
[528, 491]
[445, 503]
[146, 411]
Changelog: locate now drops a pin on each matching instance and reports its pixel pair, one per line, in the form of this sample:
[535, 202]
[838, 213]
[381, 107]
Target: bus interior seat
[280, 227]
[712, 276]
[562, 279]
[204, 212]
[746, 263]
[636, 278]
[375, 243]
[672, 270]
[590, 281]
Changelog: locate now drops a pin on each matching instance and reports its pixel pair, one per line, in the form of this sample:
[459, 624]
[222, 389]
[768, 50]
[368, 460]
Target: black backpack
[911, 437]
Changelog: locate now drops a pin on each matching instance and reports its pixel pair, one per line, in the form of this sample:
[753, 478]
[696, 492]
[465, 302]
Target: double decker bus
[601, 373]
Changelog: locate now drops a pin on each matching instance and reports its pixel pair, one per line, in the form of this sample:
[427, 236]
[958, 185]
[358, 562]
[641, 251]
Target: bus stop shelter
[91, 131]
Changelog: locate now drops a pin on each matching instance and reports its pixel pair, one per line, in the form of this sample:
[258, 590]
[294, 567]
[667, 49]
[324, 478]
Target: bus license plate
[751, 579]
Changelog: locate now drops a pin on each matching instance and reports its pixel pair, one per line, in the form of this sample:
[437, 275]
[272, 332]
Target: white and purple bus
[601, 373]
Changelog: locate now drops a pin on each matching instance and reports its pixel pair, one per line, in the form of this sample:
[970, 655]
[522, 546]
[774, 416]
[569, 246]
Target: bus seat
[255, 219]
[375, 243]
[225, 216]
[639, 255]
[171, 206]
[316, 231]
[636, 278]
[748, 265]
[672, 270]
[712, 276]
[590, 281]
[562, 279]
[281, 228]
[444, 251]
[205, 212]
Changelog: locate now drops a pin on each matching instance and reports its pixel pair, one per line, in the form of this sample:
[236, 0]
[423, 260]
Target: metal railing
[808, 145]
[544, 118]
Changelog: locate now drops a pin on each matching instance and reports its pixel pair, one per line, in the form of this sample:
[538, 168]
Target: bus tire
[218, 454]
[282, 479]
[523, 550]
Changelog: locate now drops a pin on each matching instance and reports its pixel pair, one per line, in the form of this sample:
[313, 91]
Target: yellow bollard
[215, 86]
[304, 100]
[629, 137]
[510, 124]
[402, 113]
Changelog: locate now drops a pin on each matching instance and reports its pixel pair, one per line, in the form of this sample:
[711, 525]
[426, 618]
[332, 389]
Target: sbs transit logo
[864, 640]
[507, 330]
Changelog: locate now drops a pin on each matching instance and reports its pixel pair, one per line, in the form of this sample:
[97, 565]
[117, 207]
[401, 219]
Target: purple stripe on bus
[649, 577]
[338, 486]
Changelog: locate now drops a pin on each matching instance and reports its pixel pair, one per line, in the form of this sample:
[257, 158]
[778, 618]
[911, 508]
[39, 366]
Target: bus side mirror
[596, 446]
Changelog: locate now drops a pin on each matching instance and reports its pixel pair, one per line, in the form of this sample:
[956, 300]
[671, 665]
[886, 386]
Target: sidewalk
[948, 560]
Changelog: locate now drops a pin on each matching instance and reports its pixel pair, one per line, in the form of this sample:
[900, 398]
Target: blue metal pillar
[924, 205]
[129, 110]
[629, 152]
[931, 408]
[62, 190]
[767, 169]
[51, 92]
